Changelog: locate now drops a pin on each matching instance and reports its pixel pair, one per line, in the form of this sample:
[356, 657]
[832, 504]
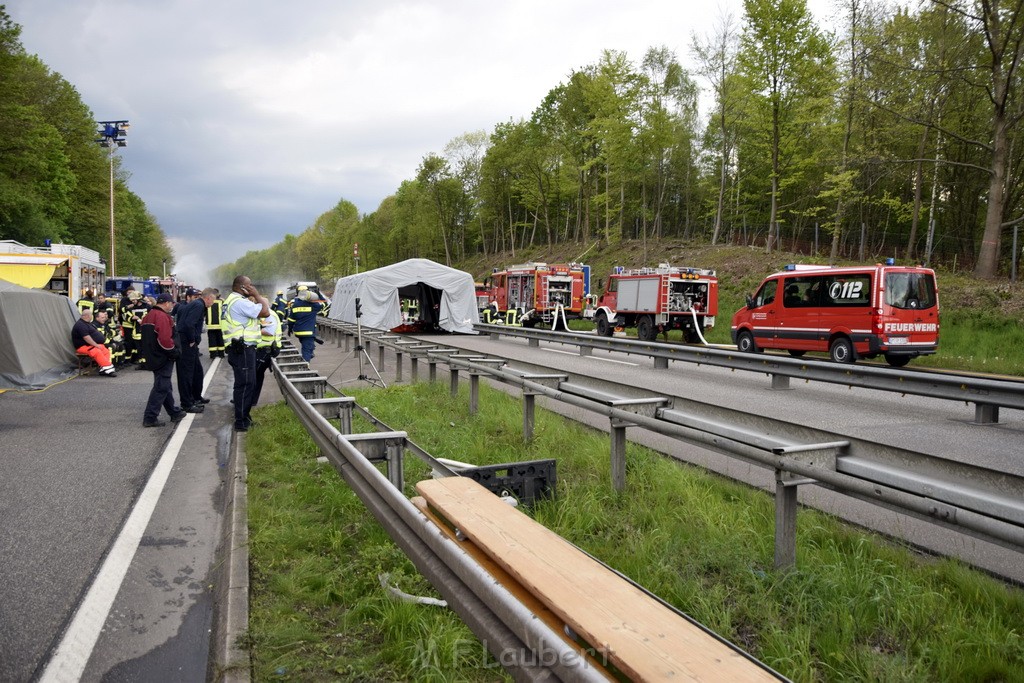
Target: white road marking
[606, 360]
[72, 655]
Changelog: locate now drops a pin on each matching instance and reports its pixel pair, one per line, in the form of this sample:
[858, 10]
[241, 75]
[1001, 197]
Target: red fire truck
[850, 312]
[656, 300]
[532, 293]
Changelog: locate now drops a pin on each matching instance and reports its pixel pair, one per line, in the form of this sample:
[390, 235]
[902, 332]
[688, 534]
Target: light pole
[111, 136]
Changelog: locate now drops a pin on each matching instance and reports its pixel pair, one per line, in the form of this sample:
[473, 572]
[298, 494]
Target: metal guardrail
[499, 618]
[987, 394]
[969, 499]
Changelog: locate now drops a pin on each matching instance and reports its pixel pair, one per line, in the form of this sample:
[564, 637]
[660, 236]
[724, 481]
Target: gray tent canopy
[35, 337]
[446, 296]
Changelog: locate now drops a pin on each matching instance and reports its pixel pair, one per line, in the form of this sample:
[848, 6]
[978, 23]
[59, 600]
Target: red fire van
[850, 312]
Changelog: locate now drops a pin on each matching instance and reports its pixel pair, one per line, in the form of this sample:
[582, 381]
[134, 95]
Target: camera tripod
[361, 355]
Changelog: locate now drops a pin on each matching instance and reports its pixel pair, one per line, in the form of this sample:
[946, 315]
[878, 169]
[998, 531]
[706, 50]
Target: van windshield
[909, 290]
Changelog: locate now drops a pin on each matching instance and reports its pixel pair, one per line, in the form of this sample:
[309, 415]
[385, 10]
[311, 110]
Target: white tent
[446, 296]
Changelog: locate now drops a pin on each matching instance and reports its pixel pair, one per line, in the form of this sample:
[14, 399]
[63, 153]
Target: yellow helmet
[302, 288]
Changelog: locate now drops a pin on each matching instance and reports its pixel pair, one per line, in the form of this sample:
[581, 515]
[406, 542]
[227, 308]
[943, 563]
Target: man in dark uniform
[302, 322]
[160, 348]
[190, 369]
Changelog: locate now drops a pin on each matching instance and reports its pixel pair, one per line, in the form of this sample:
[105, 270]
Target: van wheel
[604, 328]
[745, 343]
[645, 329]
[796, 354]
[896, 361]
[690, 336]
[841, 351]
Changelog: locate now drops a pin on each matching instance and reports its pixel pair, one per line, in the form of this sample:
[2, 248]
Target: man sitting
[88, 341]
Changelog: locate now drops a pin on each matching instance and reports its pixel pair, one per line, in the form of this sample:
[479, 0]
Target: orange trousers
[100, 354]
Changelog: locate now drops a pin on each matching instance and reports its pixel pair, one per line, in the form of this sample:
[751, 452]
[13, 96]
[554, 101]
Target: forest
[54, 177]
[894, 133]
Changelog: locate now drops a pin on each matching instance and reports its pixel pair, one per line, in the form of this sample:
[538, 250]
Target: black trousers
[262, 365]
[161, 395]
[244, 365]
[216, 342]
[190, 376]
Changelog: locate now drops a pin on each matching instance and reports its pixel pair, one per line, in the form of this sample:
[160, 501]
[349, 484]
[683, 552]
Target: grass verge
[858, 607]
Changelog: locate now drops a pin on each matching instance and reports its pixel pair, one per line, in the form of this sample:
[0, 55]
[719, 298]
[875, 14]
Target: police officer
[214, 333]
[243, 308]
[302, 321]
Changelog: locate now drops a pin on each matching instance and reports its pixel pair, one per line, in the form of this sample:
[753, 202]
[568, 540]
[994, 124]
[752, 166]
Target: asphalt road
[75, 458]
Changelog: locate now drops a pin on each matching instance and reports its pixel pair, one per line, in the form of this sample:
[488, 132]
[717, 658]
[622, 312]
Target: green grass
[858, 607]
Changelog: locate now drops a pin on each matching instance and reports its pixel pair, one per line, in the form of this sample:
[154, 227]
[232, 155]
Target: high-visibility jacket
[270, 339]
[303, 317]
[213, 314]
[240, 327]
[84, 303]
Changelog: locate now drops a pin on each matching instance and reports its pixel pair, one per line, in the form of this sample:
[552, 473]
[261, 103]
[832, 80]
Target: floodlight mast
[111, 135]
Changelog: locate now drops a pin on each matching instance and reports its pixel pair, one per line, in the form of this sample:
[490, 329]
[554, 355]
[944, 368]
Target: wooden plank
[532, 603]
[641, 637]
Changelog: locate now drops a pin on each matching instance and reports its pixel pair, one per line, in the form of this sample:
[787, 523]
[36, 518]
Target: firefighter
[491, 314]
[88, 341]
[214, 333]
[137, 310]
[100, 303]
[111, 335]
[86, 301]
[302, 322]
[280, 305]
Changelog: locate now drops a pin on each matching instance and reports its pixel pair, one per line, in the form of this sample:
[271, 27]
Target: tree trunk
[988, 255]
[918, 182]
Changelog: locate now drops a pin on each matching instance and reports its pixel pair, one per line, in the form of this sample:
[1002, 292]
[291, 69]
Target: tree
[716, 59]
[788, 64]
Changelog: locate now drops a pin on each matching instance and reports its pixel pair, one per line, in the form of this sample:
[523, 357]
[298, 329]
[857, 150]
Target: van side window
[847, 290]
[801, 292]
[766, 294]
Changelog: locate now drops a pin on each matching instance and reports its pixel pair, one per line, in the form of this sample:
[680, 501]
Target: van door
[846, 308]
[763, 315]
[798, 321]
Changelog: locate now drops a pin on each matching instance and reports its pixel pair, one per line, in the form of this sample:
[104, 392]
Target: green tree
[788, 64]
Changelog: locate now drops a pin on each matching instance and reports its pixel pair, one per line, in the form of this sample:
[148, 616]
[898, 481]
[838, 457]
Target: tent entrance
[422, 302]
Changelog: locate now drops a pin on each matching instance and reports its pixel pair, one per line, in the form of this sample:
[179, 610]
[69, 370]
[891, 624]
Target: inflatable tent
[445, 296]
[35, 337]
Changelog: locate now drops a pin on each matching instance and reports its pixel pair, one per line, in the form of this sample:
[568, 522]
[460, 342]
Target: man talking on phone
[243, 308]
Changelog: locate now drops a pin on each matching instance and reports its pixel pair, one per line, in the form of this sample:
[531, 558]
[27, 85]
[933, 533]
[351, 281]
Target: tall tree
[716, 59]
[788, 63]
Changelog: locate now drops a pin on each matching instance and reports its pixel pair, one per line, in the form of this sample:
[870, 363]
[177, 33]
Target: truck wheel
[896, 361]
[645, 329]
[745, 343]
[690, 336]
[841, 351]
[604, 328]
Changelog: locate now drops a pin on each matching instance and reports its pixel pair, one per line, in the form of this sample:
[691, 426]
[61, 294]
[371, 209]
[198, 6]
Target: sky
[250, 118]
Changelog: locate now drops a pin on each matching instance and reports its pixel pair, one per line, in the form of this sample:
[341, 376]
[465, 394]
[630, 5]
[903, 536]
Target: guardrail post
[785, 521]
[398, 366]
[453, 374]
[380, 357]
[414, 368]
[474, 393]
[347, 343]
[586, 351]
[529, 405]
[432, 369]
[986, 414]
[618, 454]
[780, 381]
[339, 408]
[534, 342]
[396, 465]
[660, 363]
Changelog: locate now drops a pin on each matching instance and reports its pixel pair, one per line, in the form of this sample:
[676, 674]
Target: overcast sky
[250, 118]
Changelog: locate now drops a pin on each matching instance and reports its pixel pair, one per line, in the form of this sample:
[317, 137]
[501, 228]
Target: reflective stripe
[248, 331]
[213, 314]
